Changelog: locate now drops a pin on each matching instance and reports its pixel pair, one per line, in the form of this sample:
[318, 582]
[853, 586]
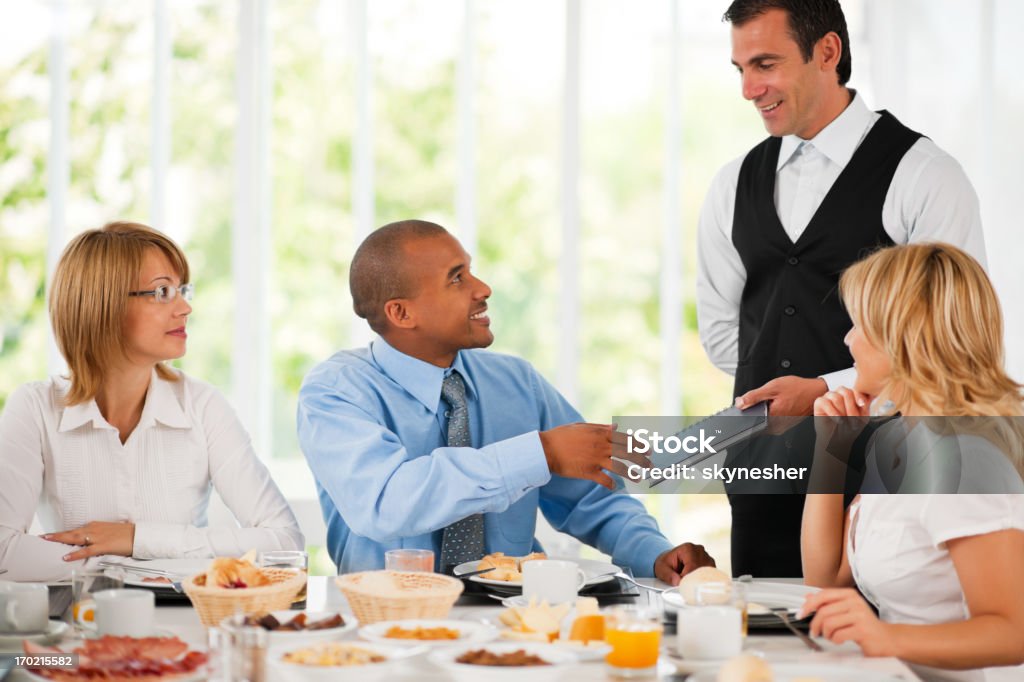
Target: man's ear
[831, 49]
[399, 313]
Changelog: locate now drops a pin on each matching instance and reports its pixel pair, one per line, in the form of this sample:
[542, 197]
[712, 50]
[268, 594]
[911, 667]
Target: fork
[782, 614]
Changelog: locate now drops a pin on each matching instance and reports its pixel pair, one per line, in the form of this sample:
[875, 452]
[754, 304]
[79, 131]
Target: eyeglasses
[166, 294]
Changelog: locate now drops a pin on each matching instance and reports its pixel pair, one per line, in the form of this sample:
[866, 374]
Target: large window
[569, 144]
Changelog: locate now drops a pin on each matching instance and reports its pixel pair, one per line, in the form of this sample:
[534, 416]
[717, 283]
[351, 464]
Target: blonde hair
[932, 309]
[89, 299]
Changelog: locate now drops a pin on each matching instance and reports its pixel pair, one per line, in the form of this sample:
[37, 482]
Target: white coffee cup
[552, 581]
[125, 613]
[24, 607]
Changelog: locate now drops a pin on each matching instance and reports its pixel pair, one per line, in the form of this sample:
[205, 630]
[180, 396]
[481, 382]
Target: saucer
[54, 632]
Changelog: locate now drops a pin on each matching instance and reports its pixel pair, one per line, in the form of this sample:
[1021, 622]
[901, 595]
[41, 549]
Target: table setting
[241, 620]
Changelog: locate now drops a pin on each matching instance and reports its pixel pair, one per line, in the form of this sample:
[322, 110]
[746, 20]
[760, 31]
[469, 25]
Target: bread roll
[702, 576]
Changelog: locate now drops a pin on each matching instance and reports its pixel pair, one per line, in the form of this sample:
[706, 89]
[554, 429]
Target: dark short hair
[809, 22]
[377, 275]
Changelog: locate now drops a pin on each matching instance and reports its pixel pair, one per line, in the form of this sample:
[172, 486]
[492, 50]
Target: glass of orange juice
[634, 633]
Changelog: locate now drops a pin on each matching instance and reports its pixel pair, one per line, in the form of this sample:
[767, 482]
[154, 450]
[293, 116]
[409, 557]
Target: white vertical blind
[58, 164]
[465, 187]
[569, 265]
[250, 237]
[362, 146]
[671, 302]
[160, 118]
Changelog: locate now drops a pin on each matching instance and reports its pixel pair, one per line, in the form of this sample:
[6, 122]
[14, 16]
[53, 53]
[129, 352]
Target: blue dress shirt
[371, 423]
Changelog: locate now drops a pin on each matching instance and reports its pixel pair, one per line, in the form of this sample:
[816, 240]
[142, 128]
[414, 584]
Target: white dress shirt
[900, 561]
[929, 199]
[70, 463]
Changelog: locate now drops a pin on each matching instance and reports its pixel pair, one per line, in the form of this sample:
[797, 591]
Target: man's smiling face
[448, 303]
[787, 91]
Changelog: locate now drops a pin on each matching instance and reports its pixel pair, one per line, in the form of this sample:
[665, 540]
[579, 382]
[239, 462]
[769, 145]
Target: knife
[472, 573]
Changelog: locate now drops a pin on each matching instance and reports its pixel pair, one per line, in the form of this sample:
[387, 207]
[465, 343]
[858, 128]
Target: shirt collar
[838, 140]
[161, 405]
[420, 379]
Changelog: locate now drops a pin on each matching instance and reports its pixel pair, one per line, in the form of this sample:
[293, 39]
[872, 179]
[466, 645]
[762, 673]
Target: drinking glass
[409, 560]
[634, 633]
[292, 560]
[714, 627]
[86, 582]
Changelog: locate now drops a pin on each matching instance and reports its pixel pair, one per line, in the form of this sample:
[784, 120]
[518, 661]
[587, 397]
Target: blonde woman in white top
[944, 571]
[122, 453]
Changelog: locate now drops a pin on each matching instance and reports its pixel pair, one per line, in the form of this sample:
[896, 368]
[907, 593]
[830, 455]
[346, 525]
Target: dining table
[779, 646]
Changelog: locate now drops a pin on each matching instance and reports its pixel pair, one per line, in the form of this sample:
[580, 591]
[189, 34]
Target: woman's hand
[96, 538]
[842, 615]
[839, 417]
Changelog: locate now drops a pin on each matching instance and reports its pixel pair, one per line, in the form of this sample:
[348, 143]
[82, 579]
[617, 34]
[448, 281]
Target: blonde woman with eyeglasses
[123, 451]
[944, 572]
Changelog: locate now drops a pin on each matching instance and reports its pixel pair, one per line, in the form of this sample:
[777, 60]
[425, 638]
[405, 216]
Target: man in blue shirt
[424, 441]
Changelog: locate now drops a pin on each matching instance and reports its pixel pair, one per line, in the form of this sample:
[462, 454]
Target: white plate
[591, 651]
[201, 674]
[54, 632]
[181, 568]
[299, 672]
[298, 637]
[558, 657]
[786, 672]
[765, 593]
[596, 572]
[470, 632]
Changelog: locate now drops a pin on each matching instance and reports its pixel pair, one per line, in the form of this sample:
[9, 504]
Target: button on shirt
[188, 438]
[371, 423]
[929, 199]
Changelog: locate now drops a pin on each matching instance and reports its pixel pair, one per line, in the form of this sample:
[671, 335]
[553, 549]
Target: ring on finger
[88, 541]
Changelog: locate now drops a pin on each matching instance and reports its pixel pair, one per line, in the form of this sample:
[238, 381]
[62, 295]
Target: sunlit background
[569, 144]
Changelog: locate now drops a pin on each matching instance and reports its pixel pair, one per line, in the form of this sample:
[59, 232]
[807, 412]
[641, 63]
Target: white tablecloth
[183, 622]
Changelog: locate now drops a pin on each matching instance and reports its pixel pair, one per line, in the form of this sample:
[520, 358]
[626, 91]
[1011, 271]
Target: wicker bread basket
[415, 595]
[214, 604]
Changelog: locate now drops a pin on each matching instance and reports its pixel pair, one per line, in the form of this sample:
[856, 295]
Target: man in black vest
[833, 182]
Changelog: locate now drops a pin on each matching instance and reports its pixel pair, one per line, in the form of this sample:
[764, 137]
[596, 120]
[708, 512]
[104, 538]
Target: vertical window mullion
[569, 262]
[250, 238]
[362, 146]
[58, 162]
[465, 189]
[670, 304]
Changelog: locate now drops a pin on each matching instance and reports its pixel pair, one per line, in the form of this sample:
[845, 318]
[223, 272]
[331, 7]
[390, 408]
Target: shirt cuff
[647, 553]
[157, 541]
[844, 377]
[522, 463]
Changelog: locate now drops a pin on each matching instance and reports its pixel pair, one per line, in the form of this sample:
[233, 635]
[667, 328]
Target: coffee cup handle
[10, 613]
[583, 579]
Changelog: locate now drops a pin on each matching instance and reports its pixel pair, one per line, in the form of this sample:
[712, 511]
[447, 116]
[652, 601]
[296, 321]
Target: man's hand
[842, 615]
[672, 565]
[789, 396]
[96, 538]
[584, 450]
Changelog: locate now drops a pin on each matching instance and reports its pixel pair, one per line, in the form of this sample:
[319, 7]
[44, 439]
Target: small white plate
[591, 651]
[54, 632]
[354, 673]
[827, 672]
[157, 632]
[470, 632]
[558, 657]
[596, 572]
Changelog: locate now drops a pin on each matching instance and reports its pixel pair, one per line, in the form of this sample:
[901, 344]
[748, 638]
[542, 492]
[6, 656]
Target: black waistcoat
[791, 318]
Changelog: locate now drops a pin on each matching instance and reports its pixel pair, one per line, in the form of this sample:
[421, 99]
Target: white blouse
[70, 463]
[897, 550]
